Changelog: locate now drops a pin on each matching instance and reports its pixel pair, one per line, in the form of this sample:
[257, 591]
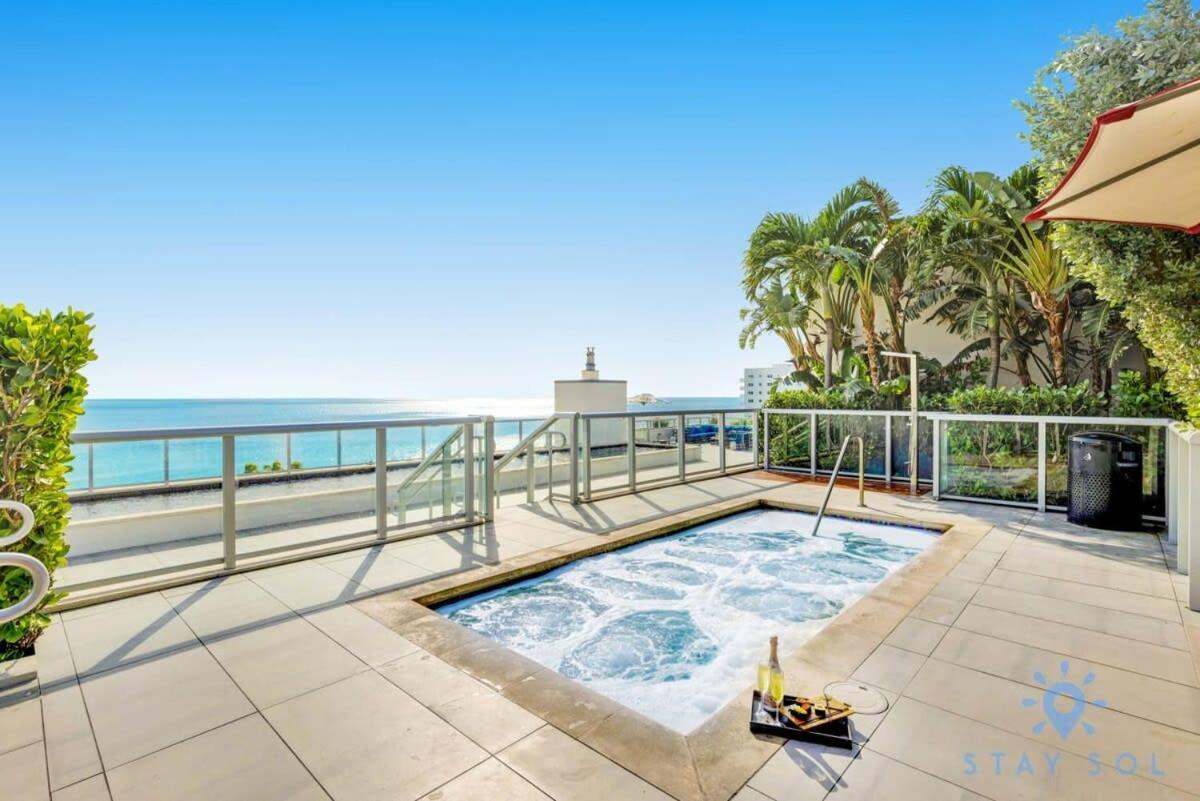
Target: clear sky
[450, 199]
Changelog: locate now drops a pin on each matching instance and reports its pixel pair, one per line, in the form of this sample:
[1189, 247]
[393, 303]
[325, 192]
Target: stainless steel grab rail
[36, 570]
[833, 479]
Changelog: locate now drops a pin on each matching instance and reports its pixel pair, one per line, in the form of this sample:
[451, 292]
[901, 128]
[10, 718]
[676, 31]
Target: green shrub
[41, 356]
[1077, 401]
[249, 467]
[1134, 397]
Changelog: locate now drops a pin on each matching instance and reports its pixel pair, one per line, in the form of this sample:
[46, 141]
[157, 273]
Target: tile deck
[326, 679]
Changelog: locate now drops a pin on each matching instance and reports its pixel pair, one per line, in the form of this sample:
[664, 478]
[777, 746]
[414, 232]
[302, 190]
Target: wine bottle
[774, 694]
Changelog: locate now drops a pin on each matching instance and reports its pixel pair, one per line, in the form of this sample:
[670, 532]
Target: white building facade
[756, 382]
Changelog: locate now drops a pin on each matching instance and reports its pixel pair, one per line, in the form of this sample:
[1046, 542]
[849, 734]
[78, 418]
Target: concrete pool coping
[718, 757]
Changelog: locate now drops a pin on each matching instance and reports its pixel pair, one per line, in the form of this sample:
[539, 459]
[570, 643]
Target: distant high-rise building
[756, 382]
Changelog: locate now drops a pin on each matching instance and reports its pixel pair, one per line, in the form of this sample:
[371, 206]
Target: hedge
[41, 396]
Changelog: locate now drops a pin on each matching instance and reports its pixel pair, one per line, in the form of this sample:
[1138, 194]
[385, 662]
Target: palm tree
[796, 250]
[1043, 269]
[975, 235]
[780, 310]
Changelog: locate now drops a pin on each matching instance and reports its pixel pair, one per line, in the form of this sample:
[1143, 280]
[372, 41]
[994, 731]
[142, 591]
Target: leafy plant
[249, 467]
[1151, 274]
[1133, 396]
[41, 397]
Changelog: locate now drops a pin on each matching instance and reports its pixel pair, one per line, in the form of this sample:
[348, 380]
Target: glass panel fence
[994, 461]
[436, 491]
[900, 449]
[739, 439]
[1154, 462]
[832, 429]
[656, 440]
[790, 441]
[609, 458]
[701, 450]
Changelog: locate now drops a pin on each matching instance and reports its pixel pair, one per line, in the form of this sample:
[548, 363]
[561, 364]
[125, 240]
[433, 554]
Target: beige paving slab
[750, 794]
[213, 612]
[1133, 693]
[938, 609]
[1094, 618]
[1105, 649]
[917, 635]
[567, 770]
[23, 774]
[955, 588]
[377, 570]
[875, 777]
[890, 668]
[54, 661]
[1000, 702]
[144, 707]
[307, 585]
[20, 717]
[281, 660]
[1103, 597]
[366, 638]
[1096, 555]
[93, 789]
[363, 739]
[945, 740]
[243, 760]
[1158, 586]
[126, 634]
[492, 779]
[71, 753]
[481, 713]
[802, 772]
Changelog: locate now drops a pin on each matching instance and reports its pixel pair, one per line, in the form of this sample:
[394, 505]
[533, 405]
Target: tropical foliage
[1043, 305]
[41, 395]
[1149, 277]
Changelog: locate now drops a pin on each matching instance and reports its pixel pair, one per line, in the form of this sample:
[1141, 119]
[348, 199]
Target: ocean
[126, 463]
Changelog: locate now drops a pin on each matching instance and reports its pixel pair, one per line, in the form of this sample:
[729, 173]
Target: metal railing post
[228, 503]
[424, 452]
[166, 461]
[887, 447]
[766, 443]
[530, 471]
[721, 442]
[469, 471]
[631, 450]
[680, 445]
[937, 457]
[573, 467]
[1041, 465]
[91, 451]
[287, 452]
[587, 458]
[549, 463]
[381, 483]
[339, 448]
[489, 460]
[812, 443]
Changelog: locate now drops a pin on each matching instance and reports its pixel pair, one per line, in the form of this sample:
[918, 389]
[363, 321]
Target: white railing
[1183, 504]
[1028, 471]
[37, 571]
[291, 512]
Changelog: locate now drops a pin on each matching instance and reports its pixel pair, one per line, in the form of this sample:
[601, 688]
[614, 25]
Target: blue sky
[452, 199]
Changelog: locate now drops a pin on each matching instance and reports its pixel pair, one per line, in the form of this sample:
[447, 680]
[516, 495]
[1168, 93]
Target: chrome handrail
[516, 450]
[436, 455]
[833, 479]
[32, 566]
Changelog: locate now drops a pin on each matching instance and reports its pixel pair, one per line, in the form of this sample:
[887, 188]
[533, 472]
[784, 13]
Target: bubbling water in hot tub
[673, 627]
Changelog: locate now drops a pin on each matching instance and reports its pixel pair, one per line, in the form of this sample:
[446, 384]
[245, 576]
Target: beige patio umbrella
[1140, 166]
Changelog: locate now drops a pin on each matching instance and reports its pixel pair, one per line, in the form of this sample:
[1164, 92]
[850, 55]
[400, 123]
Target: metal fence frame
[938, 420]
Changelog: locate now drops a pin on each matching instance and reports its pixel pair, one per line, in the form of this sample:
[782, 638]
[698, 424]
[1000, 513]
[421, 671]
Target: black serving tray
[836, 733]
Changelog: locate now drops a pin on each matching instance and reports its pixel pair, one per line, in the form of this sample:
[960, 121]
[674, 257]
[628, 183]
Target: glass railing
[154, 503]
[1016, 459]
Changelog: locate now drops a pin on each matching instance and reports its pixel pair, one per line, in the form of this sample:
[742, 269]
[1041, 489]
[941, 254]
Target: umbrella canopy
[644, 398]
[1140, 165]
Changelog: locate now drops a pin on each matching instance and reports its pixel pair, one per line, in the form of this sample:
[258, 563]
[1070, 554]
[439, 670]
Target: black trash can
[1104, 481]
